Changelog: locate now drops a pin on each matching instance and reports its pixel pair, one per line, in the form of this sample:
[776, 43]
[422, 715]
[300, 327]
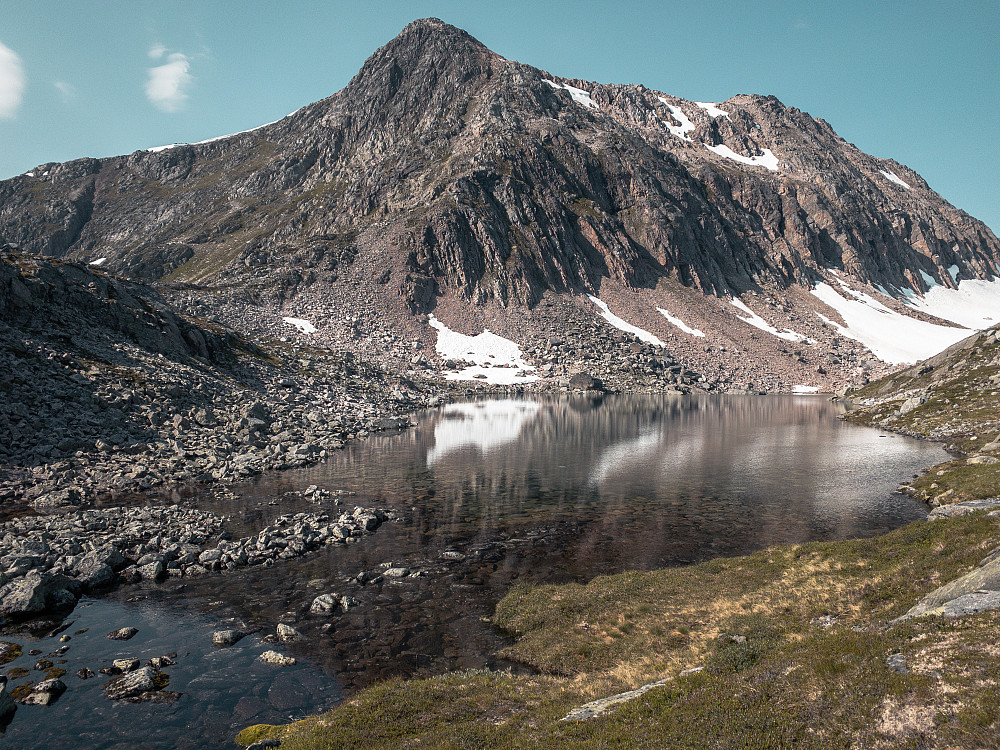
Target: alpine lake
[484, 494]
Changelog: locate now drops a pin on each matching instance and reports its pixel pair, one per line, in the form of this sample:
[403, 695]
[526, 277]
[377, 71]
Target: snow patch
[484, 425]
[893, 177]
[892, 337]
[758, 322]
[579, 95]
[621, 325]
[805, 388]
[680, 324]
[29, 174]
[156, 149]
[766, 159]
[686, 126]
[929, 280]
[499, 360]
[713, 110]
[953, 272]
[99, 262]
[975, 304]
[303, 325]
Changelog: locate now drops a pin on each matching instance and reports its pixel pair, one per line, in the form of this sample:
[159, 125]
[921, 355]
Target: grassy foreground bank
[795, 645]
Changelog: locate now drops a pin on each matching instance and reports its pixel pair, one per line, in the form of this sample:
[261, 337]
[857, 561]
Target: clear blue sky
[915, 81]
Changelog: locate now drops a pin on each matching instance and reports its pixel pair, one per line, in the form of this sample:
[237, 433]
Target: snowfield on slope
[579, 95]
[758, 322]
[303, 325]
[498, 360]
[892, 337]
[712, 110]
[622, 325]
[766, 159]
[893, 177]
[686, 126]
[680, 324]
[975, 304]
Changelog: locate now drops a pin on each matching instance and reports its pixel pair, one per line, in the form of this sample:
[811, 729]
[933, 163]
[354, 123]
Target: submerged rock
[122, 634]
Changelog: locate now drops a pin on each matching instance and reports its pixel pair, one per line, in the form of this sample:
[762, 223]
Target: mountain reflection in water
[491, 492]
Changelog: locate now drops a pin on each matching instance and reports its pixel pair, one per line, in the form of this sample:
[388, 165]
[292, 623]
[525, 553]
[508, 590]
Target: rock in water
[278, 660]
[122, 634]
[287, 634]
[7, 705]
[325, 603]
[131, 685]
[224, 638]
[45, 693]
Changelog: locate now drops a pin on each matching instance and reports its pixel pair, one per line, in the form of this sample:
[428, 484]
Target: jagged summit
[444, 173]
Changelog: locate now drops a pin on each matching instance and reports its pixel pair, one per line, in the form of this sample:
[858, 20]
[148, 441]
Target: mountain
[447, 179]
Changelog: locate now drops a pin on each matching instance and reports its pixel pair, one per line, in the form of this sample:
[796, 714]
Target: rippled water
[548, 490]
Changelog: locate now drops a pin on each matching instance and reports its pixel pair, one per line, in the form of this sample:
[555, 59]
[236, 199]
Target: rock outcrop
[443, 167]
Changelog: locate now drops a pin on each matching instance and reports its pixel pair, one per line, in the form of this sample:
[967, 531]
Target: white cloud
[11, 83]
[157, 51]
[167, 84]
[67, 91]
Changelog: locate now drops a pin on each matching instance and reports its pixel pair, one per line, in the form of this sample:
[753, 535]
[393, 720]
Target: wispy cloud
[167, 84]
[11, 83]
[67, 91]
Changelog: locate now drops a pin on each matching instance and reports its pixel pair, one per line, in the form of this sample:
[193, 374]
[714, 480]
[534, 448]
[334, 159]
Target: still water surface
[547, 490]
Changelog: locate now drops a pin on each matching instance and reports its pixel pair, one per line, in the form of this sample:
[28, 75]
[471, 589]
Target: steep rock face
[450, 168]
[35, 293]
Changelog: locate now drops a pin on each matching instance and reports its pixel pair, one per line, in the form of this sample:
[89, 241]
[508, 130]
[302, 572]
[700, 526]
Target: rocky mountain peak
[445, 172]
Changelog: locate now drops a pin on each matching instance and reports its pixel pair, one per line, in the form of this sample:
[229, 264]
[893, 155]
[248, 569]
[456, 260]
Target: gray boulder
[45, 693]
[37, 592]
[93, 574]
[225, 638]
[132, 684]
[325, 603]
[963, 509]
[976, 591]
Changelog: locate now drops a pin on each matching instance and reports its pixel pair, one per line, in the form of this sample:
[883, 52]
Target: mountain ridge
[444, 174]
